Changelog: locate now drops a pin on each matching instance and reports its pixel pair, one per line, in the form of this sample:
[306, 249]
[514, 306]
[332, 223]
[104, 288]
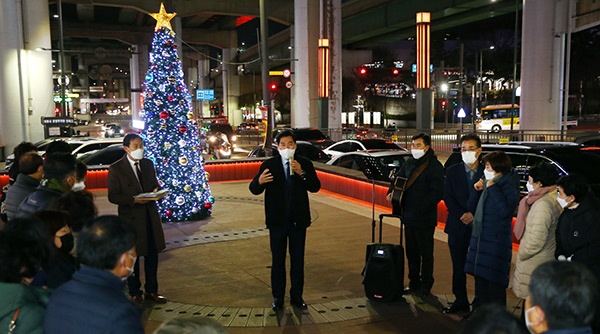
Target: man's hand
[265, 177]
[478, 185]
[296, 168]
[467, 218]
[389, 197]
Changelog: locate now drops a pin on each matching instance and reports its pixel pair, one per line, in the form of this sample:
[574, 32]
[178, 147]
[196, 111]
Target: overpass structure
[101, 38]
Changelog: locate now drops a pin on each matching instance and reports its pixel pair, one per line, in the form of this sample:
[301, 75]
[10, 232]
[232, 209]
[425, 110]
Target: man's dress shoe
[155, 297]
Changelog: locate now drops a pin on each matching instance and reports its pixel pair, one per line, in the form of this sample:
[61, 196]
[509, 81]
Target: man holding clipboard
[129, 177]
[422, 190]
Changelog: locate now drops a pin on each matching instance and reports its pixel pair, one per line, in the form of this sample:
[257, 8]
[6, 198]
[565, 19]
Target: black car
[214, 128]
[303, 148]
[311, 135]
[566, 157]
[104, 157]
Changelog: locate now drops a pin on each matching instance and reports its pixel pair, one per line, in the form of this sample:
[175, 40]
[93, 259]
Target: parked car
[103, 157]
[351, 145]
[248, 127]
[113, 130]
[588, 140]
[357, 132]
[565, 156]
[303, 148]
[376, 164]
[311, 135]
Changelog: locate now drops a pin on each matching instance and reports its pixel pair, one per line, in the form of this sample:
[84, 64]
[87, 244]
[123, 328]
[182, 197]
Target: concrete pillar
[138, 66]
[25, 74]
[231, 87]
[542, 63]
[334, 32]
[305, 37]
[204, 82]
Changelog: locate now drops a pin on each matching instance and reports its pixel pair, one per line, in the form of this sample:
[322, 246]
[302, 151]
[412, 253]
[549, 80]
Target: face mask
[417, 154]
[137, 154]
[67, 242]
[488, 175]
[79, 186]
[529, 187]
[131, 269]
[287, 153]
[528, 324]
[469, 157]
[562, 202]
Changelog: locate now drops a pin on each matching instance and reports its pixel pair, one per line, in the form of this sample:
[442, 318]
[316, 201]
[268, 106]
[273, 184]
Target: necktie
[139, 173]
[287, 170]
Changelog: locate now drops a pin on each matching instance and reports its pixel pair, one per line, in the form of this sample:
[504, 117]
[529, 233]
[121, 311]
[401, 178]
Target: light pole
[481, 75]
[444, 89]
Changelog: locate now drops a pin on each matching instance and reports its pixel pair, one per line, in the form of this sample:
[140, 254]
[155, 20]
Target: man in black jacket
[285, 179]
[32, 170]
[418, 210]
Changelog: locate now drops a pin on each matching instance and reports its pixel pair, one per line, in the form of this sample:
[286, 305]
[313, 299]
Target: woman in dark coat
[490, 249]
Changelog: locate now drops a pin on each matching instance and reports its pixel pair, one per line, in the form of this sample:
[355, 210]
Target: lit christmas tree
[171, 135]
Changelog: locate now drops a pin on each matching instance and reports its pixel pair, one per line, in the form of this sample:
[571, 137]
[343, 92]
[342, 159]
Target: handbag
[401, 184]
[13, 322]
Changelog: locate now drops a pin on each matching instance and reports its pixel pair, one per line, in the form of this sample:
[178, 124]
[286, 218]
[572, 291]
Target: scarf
[524, 207]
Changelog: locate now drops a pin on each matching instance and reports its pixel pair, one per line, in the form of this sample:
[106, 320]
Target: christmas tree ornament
[207, 205]
[211, 199]
[183, 161]
[164, 115]
[190, 115]
[181, 143]
[182, 128]
[187, 188]
[167, 145]
[180, 200]
[170, 98]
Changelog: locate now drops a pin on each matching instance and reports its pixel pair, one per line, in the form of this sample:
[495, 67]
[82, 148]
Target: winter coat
[40, 199]
[24, 186]
[490, 252]
[538, 243]
[31, 300]
[578, 234]
[419, 202]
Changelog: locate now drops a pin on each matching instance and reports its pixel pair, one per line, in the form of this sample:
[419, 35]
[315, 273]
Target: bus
[496, 118]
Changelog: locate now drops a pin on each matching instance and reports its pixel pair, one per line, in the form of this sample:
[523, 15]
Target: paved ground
[219, 267]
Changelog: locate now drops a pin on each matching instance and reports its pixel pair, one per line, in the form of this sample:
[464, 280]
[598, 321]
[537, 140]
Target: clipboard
[153, 196]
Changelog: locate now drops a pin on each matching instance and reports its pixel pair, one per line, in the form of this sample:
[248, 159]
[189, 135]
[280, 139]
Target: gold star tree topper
[163, 19]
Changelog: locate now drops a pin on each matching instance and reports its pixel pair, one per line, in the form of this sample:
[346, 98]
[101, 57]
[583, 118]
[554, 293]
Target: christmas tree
[171, 134]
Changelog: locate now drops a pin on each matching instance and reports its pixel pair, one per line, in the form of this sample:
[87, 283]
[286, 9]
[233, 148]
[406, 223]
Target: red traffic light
[362, 71]
[443, 103]
[273, 87]
[395, 72]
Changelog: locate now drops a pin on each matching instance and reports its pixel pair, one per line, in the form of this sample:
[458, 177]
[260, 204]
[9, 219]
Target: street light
[481, 74]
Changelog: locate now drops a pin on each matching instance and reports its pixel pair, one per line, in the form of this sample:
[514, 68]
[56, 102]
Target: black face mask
[68, 242]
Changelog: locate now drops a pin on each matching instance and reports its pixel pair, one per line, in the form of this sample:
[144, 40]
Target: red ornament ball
[164, 115]
[175, 46]
[182, 128]
[169, 213]
[179, 89]
[170, 98]
[207, 205]
[168, 43]
[150, 94]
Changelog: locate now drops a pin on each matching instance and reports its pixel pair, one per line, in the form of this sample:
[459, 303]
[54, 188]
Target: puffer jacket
[538, 243]
[32, 302]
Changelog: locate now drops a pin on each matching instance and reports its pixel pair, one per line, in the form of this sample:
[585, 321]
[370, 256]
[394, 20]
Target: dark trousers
[150, 268]
[279, 237]
[459, 247]
[488, 292]
[419, 253]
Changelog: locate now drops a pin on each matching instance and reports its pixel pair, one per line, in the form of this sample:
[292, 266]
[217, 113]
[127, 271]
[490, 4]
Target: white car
[377, 164]
[353, 145]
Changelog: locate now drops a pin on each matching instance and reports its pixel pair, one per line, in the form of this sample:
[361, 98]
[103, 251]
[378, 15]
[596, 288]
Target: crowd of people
[59, 260]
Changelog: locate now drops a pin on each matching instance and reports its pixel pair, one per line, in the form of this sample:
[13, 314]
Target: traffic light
[273, 87]
[395, 72]
[362, 71]
[443, 103]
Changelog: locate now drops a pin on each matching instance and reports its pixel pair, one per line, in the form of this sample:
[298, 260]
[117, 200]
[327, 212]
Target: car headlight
[122, 131]
[212, 139]
[233, 138]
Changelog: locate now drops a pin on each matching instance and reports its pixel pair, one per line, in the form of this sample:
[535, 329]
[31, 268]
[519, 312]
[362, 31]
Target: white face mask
[417, 154]
[529, 187]
[137, 154]
[528, 324]
[287, 153]
[79, 186]
[562, 202]
[469, 157]
[488, 175]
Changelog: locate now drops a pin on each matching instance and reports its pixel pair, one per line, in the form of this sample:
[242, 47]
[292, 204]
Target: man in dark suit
[93, 301]
[459, 192]
[285, 179]
[128, 177]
